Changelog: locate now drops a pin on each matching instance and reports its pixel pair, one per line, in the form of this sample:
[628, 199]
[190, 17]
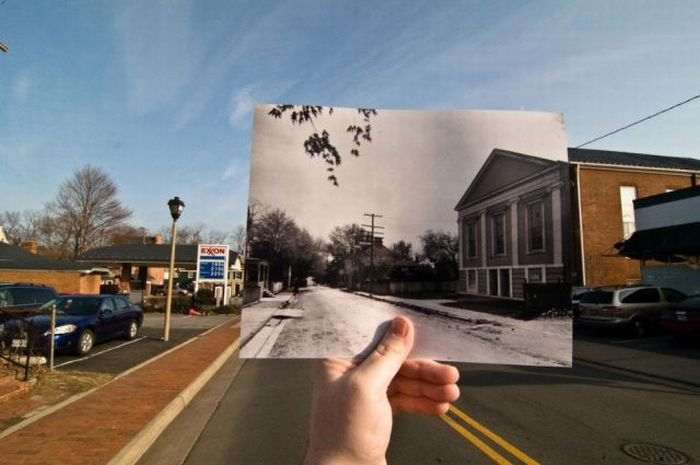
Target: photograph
[457, 219]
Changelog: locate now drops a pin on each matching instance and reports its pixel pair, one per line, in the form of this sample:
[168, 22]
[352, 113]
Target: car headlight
[63, 329]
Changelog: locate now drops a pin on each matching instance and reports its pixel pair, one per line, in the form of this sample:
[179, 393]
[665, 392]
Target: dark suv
[22, 298]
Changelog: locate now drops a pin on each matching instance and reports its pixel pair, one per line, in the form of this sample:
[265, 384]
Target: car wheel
[133, 330]
[639, 328]
[85, 342]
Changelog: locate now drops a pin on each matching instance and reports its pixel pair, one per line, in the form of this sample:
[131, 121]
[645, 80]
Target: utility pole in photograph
[373, 233]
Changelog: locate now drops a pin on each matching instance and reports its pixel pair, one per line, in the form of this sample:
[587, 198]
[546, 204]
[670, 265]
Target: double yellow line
[487, 433]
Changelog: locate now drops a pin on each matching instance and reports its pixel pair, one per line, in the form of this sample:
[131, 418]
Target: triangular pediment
[500, 170]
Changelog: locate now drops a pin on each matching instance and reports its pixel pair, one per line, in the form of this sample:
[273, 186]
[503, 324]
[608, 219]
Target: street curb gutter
[132, 452]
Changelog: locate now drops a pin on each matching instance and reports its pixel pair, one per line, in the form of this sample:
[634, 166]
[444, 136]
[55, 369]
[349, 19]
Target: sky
[413, 173]
[160, 94]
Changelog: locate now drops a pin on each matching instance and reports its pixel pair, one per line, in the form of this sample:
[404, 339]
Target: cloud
[22, 85]
[242, 104]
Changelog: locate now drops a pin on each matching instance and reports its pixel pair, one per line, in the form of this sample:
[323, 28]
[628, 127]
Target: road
[119, 355]
[639, 394]
[325, 322]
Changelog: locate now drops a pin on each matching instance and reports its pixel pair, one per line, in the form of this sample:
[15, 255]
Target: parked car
[23, 298]
[81, 322]
[576, 293]
[684, 320]
[637, 308]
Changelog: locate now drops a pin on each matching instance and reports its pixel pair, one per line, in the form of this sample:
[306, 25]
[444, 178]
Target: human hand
[353, 401]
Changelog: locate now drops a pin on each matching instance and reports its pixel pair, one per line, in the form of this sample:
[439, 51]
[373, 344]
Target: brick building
[20, 265]
[605, 185]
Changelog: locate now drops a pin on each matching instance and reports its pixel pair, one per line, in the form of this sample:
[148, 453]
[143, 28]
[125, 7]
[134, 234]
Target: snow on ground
[323, 322]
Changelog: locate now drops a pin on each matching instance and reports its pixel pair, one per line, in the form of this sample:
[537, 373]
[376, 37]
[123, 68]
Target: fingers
[391, 352]
[402, 403]
[419, 388]
[429, 370]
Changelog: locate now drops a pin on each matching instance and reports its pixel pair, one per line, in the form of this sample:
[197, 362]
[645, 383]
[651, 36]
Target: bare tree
[87, 205]
[238, 239]
[11, 222]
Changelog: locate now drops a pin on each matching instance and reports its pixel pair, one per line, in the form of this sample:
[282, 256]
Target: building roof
[502, 170]
[640, 160]
[146, 254]
[16, 258]
[662, 244]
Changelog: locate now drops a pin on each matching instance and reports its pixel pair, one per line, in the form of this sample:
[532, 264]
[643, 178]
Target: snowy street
[324, 322]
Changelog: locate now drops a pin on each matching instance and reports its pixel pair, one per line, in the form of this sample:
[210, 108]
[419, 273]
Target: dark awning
[662, 244]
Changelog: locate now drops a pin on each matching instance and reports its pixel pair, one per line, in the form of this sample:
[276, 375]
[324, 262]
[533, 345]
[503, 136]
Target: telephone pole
[373, 227]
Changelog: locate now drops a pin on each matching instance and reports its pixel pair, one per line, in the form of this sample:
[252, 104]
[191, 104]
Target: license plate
[681, 316]
[19, 343]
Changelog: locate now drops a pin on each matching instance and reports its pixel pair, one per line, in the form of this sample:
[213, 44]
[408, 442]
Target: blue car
[81, 322]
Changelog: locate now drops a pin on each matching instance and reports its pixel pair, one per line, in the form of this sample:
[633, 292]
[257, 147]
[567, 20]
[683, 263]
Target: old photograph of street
[457, 219]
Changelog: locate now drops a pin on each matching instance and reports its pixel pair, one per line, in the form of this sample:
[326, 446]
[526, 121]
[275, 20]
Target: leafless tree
[87, 206]
[11, 222]
[238, 239]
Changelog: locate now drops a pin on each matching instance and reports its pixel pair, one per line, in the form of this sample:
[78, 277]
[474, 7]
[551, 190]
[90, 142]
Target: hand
[353, 401]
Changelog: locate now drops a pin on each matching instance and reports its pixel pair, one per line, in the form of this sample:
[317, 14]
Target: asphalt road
[641, 395]
[119, 355]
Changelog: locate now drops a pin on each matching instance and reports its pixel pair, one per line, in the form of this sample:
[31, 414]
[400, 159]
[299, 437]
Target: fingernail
[399, 327]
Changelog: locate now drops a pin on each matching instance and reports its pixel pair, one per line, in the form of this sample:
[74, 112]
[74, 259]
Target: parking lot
[120, 355]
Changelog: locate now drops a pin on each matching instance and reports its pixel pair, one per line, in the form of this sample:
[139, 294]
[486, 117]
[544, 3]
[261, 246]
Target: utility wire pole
[373, 227]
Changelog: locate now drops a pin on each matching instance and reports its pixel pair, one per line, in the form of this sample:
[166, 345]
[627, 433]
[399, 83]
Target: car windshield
[597, 297]
[76, 306]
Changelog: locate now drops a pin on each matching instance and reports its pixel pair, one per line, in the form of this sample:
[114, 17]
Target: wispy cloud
[22, 85]
[242, 104]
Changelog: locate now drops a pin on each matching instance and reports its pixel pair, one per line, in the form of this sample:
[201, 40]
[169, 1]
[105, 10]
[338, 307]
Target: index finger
[429, 370]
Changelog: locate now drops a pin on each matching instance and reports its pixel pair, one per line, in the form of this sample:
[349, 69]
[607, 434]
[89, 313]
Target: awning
[662, 244]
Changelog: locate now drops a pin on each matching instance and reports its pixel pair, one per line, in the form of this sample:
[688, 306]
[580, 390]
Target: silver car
[637, 308]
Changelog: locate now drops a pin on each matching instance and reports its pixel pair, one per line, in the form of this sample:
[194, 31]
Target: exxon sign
[212, 251]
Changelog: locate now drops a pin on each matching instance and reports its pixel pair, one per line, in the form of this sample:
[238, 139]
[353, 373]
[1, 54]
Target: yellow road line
[495, 456]
[494, 437]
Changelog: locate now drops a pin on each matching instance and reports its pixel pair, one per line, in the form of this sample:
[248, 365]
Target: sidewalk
[116, 422]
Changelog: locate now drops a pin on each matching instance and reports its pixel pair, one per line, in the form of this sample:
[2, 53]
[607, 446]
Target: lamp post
[176, 206]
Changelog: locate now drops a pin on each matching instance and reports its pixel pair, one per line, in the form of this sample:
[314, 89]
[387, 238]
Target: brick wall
[66, 282]
[602, 218]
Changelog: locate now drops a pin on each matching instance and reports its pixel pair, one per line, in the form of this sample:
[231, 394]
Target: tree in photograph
[275, 237]
[401, 252]
[319, 144]
[87, 204]
[344, 247]
[441, 249]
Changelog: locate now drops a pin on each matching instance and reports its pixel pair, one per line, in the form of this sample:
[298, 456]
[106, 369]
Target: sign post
[212, 265]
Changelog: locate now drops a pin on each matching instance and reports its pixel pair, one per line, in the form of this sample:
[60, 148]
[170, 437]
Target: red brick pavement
[96, 427]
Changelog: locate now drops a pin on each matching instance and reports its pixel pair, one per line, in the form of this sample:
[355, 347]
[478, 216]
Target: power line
[639, 121]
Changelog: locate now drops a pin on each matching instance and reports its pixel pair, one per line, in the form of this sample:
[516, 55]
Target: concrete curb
[132, 452]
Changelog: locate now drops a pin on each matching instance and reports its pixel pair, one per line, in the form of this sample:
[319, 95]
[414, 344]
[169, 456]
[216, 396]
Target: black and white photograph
[457, 219]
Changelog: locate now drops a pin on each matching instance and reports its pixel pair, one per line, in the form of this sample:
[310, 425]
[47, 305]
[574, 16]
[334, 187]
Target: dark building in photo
[514, 225]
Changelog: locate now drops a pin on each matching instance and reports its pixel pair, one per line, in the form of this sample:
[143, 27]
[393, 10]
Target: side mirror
[104, 311]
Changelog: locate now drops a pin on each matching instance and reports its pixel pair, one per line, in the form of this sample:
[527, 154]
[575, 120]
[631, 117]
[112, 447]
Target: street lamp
[176, 206]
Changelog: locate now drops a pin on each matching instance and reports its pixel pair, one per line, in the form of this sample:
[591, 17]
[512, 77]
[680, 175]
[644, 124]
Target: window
[471, 279]
[469, 236]
[498, 232]
[673, 295]
[627, 196]
[642, 296]
[122, 304]
[535, 226]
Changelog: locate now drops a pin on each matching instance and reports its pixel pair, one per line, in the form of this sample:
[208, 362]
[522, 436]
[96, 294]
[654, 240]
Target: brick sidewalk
[96, 427]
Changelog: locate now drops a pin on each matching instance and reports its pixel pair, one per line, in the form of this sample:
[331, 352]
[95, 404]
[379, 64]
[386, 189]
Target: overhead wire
[646, 118]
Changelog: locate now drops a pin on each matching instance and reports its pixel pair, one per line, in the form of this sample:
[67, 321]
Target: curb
[132, 452]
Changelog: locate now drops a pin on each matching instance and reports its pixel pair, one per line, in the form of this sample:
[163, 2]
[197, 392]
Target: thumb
[385, 360]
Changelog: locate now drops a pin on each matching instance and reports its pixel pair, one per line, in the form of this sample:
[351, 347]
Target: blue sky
[160, 93]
